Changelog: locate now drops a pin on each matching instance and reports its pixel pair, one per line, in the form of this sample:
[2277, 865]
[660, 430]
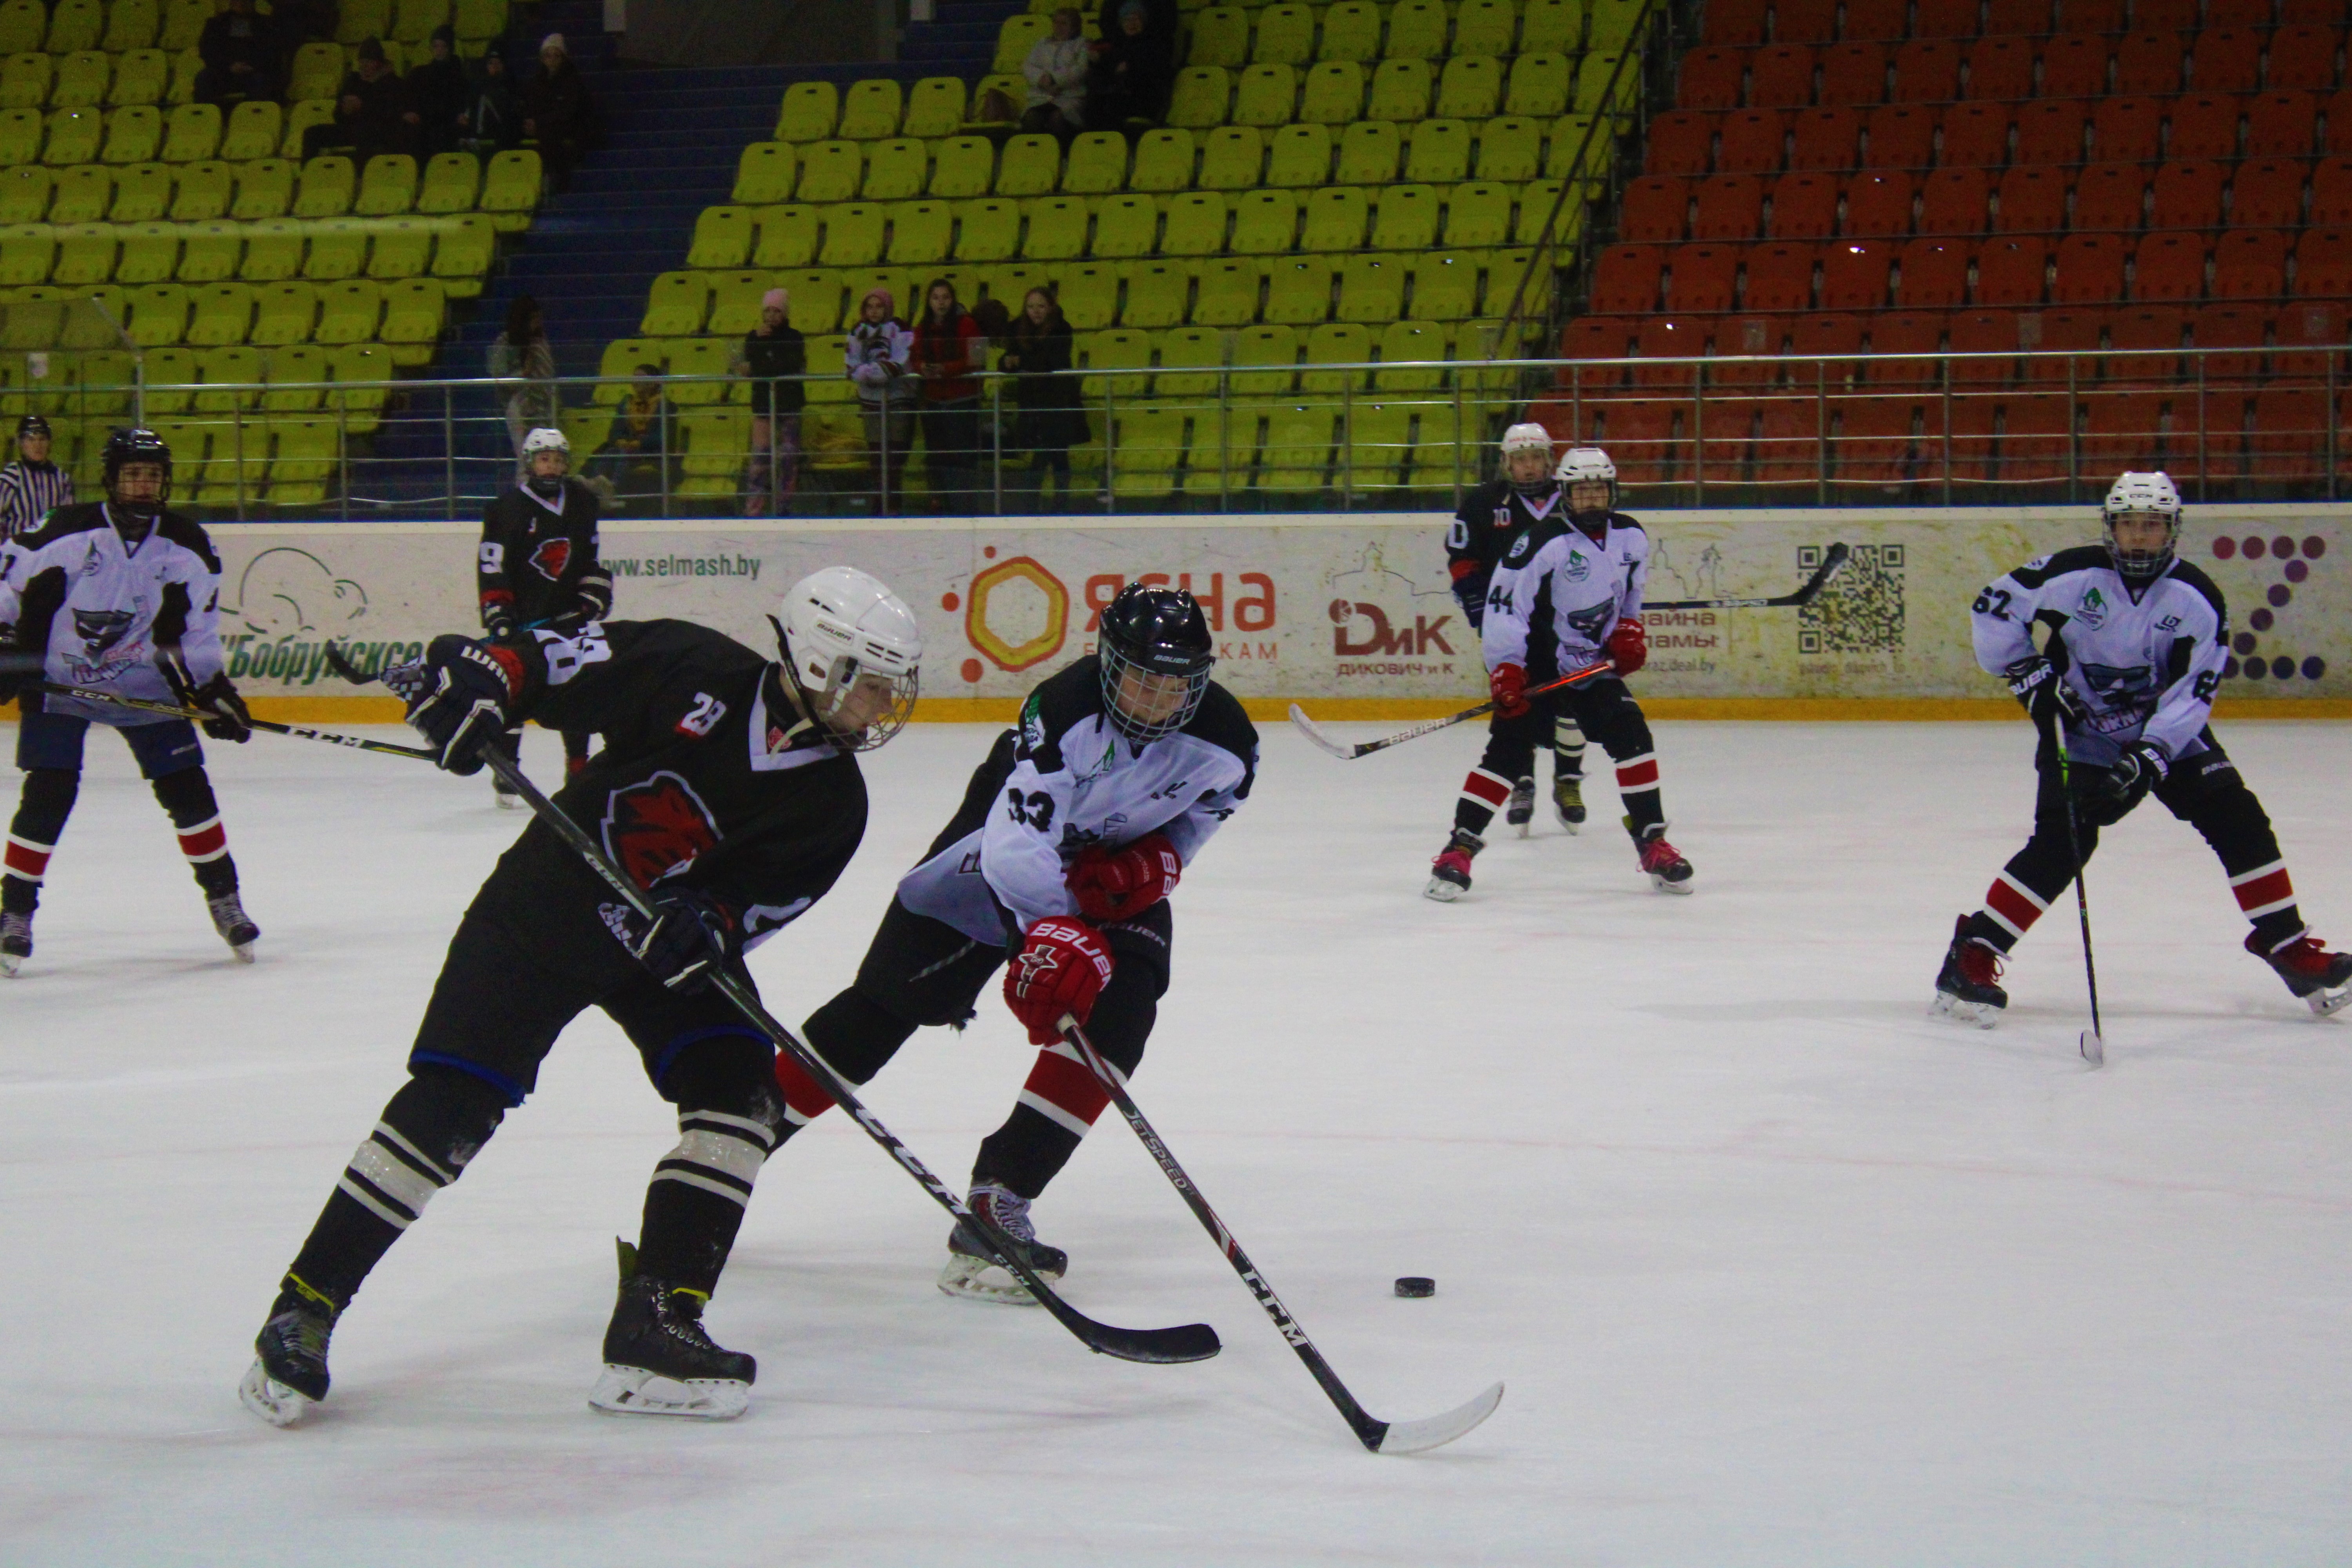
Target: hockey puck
[1415, 1284]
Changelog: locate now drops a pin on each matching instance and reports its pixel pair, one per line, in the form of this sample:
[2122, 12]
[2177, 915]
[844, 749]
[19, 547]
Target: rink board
[1349, 614]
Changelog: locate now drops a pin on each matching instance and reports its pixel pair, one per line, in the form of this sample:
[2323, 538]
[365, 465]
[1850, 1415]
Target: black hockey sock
[431, 1129]
[1059, 1102]
[729, 1117]
[1567, 749]
[187, 798]
[856, 1036]
[47, 801]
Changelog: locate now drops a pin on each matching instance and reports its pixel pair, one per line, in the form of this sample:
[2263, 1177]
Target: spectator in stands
[557, 114]
[523, 363]
[300, 22]
[1057, 73]
[372, 113]
[634, 464]
[772, 352]
[1133, 70]
[877, 350]
[1160, 19]
[1052, 419]
[243, 56]
[438, 88]
[493, 123]
[948, 350]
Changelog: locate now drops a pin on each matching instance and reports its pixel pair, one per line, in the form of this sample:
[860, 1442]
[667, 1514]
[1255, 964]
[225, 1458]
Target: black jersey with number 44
[709, 777]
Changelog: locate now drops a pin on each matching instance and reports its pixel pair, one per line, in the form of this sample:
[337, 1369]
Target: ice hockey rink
[1776, 1269]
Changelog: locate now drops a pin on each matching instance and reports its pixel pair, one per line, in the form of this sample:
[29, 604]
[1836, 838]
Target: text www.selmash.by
[684, 566]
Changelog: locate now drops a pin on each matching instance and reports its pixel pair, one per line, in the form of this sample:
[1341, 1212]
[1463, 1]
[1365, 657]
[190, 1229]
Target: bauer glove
[690, 936]
[1061, 968]
[2109, 793]
[1629, 646]
[2036, 682]
[1116, 884]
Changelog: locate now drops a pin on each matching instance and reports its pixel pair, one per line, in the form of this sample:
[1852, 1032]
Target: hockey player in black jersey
[2126, 682]
[1071, 834]
[727, 789]
[121, 596]
[537, 569]
[1568, 595]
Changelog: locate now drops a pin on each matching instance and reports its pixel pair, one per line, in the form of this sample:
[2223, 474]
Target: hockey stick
[1186, 1342]
[1345, 753]
[2093, 1044]
[271, 726]
[1380, 1437]
[1832, 558]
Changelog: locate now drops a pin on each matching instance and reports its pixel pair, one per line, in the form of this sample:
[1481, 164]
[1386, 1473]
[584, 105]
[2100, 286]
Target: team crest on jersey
[101, 629]
[1594, 623]
[1580, 566]
[657, 829]
[2092, 611]
[551, 558]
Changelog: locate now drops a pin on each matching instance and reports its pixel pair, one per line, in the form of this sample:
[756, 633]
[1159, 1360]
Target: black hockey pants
[1602, 709]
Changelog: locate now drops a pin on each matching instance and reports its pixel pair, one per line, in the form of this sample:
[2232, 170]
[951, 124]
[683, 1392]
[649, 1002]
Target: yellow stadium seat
[1058, 226]
[511, 189]
[1334, 94]
[810, 111]
[735, 302]
[1553, 26]
[723, 238]
[349, 312]
[387, 186]
[265, 189]
[413, 20]
[1471, 87]
[414, 310]
[764, 174]
[935, 106]
[80, 81]
[698, 357]
[452, 182]
[896, 169]
[325, 187]
[1298, 156]
[831, 171]
[24, 24]
[186, 66]
[1157, 293]
[76, 24]
[24, 194]
[1232, 158]
[1509, 148]
[812, 300]
[1221, 35]
[191, 135]
[1440, 151]
[74, 136]
[1539, 85]
[256, 129]
[142, 76]
[1097, 165]
[1163, 160]
[462, 249]
[788, 237]
[1444, 288]
[211, 252]
[1200, 97]
[286, 367]
[477, 21]
[302, 472]
[1477, 214]
[1298, 290]
[852, 235]
[133, 135]
[82, 193]
[235, 370]
[150, 254]
[142, 192]
[962, 167]
[1126, 226]
[359, 408]
[990, 229]
[1030, 166]
[338, 251]
[676, 305]
[1417, 30]
[201, 191]
[222, 314]
[1196, 224]
[1197, 352]
[171, 367]
[1284, 35]
[1371, 289]
[921, 232]
[1014, 40]
[300, 116]
[159, 315]
[1400, 87]
[184, 22]
[1368, 153]
[715, 441]
[284, 313]
[1336, 216]
[86, 253]
[21, 130]
[274, 250]
[400, 247]
[870, 109]
[130, 24]
[1297, 450]
[1266, 223]
[24, 81]
[1146, 447]
[1265, 95]
[359, 20]
[1227, 291]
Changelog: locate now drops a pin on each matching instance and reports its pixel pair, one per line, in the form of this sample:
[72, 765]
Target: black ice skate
[658, 1360]
[235, 927]
[1568, 801]
[16, 941]
[1520, 813]
[508, 800]
[2322, 979]
[1668, 871]
[971, 1272]
[1966, 987]
[1449, 874]
[288, 1374]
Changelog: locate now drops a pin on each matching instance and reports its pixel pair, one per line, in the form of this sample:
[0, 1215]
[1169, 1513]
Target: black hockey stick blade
[1832, 558]
[340, 662]
[1349, 752]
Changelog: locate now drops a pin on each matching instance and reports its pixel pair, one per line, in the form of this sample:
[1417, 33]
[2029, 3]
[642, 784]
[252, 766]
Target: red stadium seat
[1984, 332]
[1946, 19]
[2310, 333]
[1744, 346]
[1954, 201]
[1670, 338]
[2188, 195]
[2001, 69]
[1854, 76]
[1901, 136]
[1779, 77]
[1804, 21]
[2250, 264]
[2150, 61]
[1789, 444]
[1826, 139]
[1710, 79]
[2176, 15]
[1723, 430]
[2127, 129]
[2037, 438]
[1596, 338]
[1831, 340]
[2331, 193]
[2147, 327]
[1737, 22]
[1873, 440]
[1976, 135]
[2050, 131]
[1855, 274]
[2337, 138]
[1730, 207]
[1755, 142]
[1905, 332]
[1969, 451]
[2308, 13]
[2074, 65]
[2323, 263]
[2281, 124]
[1656, 210]
[1926, 70]
[2289, 439]
[1702, 277]
[2230, 327]
[2090, 269]
[2033, 201]
[2017, 17]
[2090, 16]
[2056, 333]
[2204, 125]
[1935, 273]
[1878, 203]
[2122, 431]
[1625, 280]
[2267, 193]
[2166, 264]
[2010, 270]
[1682, 142]
[2238, 13]
[1804, 207]
[1640, 437]
[1780, 277]
[2304, 57]
[2226, 60]
[2111, 197]
[1877, 19]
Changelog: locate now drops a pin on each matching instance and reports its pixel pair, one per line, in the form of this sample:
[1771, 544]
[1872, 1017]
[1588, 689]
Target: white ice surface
[1778, 1269]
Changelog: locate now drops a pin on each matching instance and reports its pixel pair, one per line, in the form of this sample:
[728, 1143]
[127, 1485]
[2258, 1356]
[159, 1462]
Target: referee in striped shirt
[32, 486]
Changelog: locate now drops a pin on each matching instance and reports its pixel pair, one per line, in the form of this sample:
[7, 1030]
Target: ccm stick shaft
[2094, 1042]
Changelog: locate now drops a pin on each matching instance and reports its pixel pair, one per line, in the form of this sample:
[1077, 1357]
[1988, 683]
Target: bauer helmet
[847, 640]
[1587, 465]
[1156, 654]
[134, 445]
[1528, 437]
[2142, 495]
[545, 439]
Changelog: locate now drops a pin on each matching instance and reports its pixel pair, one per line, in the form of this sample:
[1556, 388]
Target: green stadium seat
[74, 136]
[1336, 343]
[1539, 85]
[1009, 286]
[716, 440]
[348, 312]
[1444, 288]
[265, 189]
[1189, 358]
[401, 249]
[1439, 153]
[1477, 214]
[1157, 293]
[723, 238]
[921, 232]
[1196, 225]
[735, 302]
[318, 72]
[299, 117]
[1486, 27]
[1368, 153]
[1297, 452]
[1471, 87]
[962, 167]
[788, 237]
[184, 22]
[360, 20]
[1163, 162]
[511, 189]
[211, 252]
[80, 80]
[1371, 289]
[1227, 293]
[274, 250]
[1378, 436]
[1298, 290]
[810, 110]
[140, 76]
[675, 305]
[21, 130]
[698, 357]
[24, 194]
[171, 366]
[1351, 31]
[325, 187]
[76, 24]
[1124, 226]
[303, 469]
[989, 230]
[870, 109]
[478, 21]
[1553, 27]
[1536, 201]
[1266, 223]
[1057, 227]
[1285, 36]
[764, 174]
[81, 194]
[232, 372]
[452, 183]
[222, 314]
[1596, 95]
[1097, 165]
[1014, 40]
[896, 169]
[1088, 294]
[1573, 135]
[1150, 442]
[853, 236]
[1298, 156]
[150, 254]
[462, 249]
[414, 310]
[1199, 99]
[24, 81]
[86, 254]
[202, 192]
[158, 315]
[1333, 94]
[1336, 216]
[1272, 351]
[191, 135]
[1265, 95]
[1611, 26]
[130, 24]
[1221, 37]
[1231, 157]
[831, 171]
[413, 20]
[1030, 166]
[387, 186]
[1417, 30]
[1400, 89]
[24, 24]
[1509, 148]
[935, 108]
[284, 313]
[359, 406]
[620, 362]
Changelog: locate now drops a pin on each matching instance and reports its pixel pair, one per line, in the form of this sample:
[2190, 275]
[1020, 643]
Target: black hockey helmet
[1159, 635]
[137, 443]
[32, 424]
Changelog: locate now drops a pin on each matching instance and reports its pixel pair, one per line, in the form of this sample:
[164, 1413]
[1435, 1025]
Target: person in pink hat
[775, 357]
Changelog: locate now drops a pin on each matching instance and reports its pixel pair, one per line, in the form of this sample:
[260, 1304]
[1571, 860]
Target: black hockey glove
[690, 936]
[460, 697]
[229, 720]
[19, 672]
[498, 624]
[2108, 795]
[2036, 682]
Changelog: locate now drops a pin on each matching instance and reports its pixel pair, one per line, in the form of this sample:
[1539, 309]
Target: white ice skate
[271, 1400]
[981, 1278]
[16, 942]
[638, 1390]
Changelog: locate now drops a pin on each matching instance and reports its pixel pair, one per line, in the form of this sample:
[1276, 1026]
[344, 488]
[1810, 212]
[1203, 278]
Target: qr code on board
[1859, 610]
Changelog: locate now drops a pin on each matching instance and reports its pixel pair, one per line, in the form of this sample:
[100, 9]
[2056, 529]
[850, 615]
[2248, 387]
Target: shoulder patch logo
[1519, 548]
[551, 557]
[1033, 724]
[2092, 611]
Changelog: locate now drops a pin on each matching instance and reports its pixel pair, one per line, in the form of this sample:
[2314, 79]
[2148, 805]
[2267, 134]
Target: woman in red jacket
[948, 353]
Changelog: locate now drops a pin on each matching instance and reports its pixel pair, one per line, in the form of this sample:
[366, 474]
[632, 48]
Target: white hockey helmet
[545, 439]
[1528, 437]
[1585, 465]
[846, 637]
[2142, 495]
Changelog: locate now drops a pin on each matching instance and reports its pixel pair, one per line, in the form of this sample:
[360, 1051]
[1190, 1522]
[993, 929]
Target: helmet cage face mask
[1156, 636]
[1584, 466]
[2141, 565]
[1152, 668]
[828, 685]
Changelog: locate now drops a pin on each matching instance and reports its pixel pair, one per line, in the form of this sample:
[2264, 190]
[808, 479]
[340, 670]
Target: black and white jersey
[1074, 782]
[99, 609]
[1559, 580]
[2145, 660]
[29, 492]
[537, 561]
[1491, 520]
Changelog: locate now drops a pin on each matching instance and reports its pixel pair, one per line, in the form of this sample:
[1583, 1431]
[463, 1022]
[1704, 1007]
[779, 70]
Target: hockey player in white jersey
[2126, 682]
[1071, 835]
[121, 597]
[1574, 583]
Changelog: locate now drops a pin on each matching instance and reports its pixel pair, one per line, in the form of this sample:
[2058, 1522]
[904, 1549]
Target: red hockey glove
[1059, 973]
[1120, 883]
[1509, 686]
[1629, 646]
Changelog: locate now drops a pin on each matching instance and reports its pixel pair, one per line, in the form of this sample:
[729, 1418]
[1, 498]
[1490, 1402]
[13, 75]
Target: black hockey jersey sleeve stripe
[2077, 558]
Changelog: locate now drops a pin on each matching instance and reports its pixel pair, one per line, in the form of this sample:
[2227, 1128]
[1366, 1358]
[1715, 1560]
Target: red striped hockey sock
[1483, 794]
[1638, 789]
[2266, 898]
[2010, 908]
